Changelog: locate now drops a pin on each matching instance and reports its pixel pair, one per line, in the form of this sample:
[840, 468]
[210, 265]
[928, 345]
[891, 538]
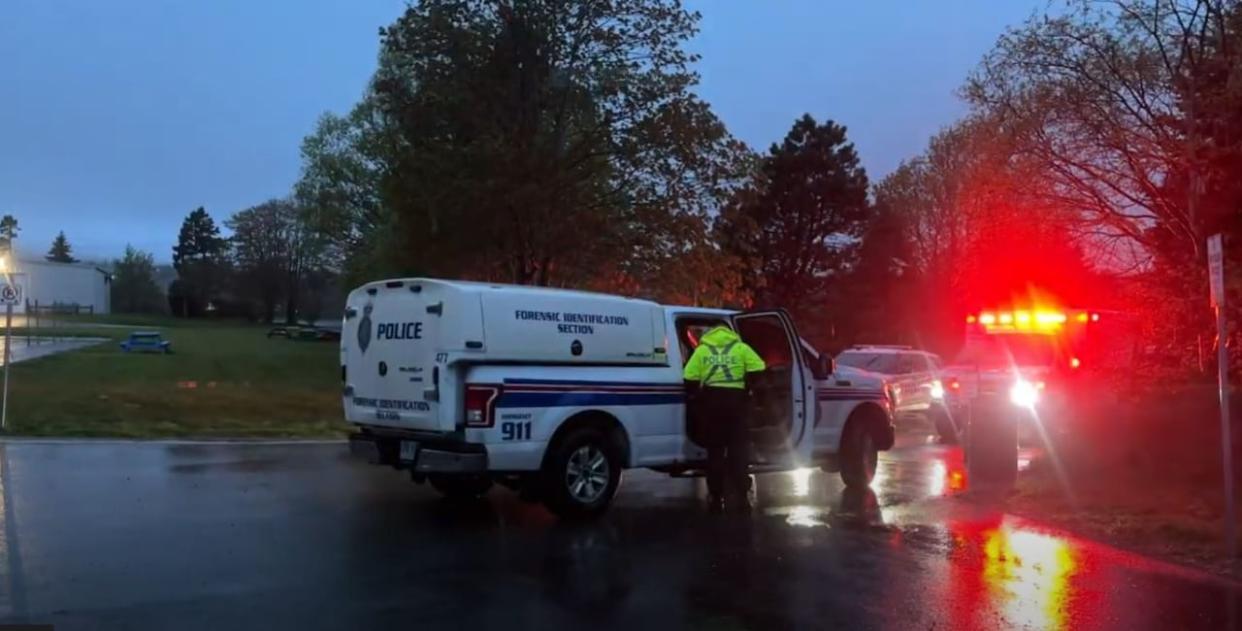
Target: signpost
[10, 294]
[1216, 277]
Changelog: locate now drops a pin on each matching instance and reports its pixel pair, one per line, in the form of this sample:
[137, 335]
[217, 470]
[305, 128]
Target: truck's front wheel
[859, 456]
[460, 487]
[581, 473]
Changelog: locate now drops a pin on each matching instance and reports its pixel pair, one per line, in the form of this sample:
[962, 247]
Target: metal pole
[1222, 376]
[8, 356]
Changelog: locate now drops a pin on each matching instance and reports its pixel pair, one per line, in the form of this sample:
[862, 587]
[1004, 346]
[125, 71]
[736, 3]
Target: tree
[200, 258]
[134, 289]
[563, 136]
[8, 232]
[273, 250]
[979, 229]
[341, 191]
[61, 251]
[798, 225]
[260, 254]
[1116, 99]
[881, 287]
[1132, 107]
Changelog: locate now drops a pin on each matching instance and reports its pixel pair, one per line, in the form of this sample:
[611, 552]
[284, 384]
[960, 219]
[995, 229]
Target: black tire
[944, 425]
[581, 473]
[859, 455]
[460, 487]
[992, 445]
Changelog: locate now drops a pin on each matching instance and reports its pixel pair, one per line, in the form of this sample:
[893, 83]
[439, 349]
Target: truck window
[908, 363]
[769, 339]
[883, 363]
[922, 362]
[690, 330]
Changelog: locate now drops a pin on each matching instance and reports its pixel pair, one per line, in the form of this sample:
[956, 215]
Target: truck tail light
[480, 405]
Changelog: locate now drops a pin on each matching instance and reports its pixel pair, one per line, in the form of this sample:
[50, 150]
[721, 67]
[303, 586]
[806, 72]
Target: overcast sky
[117, 118]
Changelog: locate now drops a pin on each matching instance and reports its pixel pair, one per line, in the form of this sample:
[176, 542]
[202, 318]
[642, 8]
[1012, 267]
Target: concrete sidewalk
[23, 349]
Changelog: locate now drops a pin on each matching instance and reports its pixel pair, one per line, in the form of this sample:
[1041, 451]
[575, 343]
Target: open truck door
[783, 417]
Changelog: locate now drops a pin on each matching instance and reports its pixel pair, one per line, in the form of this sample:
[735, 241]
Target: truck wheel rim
[586, 474]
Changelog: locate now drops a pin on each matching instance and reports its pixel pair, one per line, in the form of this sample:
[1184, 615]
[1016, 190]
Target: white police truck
[553, 392]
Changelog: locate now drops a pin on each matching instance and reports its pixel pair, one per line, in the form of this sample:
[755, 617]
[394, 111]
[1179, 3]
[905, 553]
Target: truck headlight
[937, 389]
[1024, 393]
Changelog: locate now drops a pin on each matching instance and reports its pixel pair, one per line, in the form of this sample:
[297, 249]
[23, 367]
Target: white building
[62, 284]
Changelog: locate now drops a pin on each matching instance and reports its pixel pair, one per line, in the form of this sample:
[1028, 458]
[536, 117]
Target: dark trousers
[725, 420]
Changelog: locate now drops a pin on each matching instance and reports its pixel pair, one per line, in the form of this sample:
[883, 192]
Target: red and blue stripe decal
[543, 393]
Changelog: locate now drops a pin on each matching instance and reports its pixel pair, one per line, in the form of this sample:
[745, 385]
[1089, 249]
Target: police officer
[717, 377]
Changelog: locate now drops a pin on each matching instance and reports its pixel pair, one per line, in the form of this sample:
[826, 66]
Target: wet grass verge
[1146, 477]
[222, 380]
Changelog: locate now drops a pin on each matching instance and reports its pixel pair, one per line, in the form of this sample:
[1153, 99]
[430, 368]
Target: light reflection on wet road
[112, 535]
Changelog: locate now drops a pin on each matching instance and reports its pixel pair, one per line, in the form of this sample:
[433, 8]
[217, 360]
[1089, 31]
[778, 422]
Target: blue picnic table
[146, 341]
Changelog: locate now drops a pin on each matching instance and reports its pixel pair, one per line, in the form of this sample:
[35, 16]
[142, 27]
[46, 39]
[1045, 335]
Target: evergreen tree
[61, 251]
[8, 232]
[200, 258]
[799, 224]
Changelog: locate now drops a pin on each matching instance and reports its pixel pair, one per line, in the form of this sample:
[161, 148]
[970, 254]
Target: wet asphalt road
[230, 536]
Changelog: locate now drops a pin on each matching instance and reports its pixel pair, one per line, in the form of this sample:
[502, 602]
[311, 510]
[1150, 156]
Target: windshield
[885, 363]
[1001, 351]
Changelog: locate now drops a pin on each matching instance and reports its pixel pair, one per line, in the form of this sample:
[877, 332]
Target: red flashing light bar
[1028, 320]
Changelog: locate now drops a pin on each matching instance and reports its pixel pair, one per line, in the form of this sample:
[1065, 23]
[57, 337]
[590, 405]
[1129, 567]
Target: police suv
[554, 392]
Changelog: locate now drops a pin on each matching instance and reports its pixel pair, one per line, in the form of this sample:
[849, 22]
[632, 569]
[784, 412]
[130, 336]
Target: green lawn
[222, 380]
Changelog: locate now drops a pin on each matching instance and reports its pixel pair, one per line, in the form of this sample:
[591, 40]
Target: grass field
[222, 380]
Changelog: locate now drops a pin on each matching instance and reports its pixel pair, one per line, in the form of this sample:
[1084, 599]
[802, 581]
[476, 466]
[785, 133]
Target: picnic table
[146, 341]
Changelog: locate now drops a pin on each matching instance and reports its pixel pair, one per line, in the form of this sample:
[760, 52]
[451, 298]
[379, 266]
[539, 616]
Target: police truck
[553, 392]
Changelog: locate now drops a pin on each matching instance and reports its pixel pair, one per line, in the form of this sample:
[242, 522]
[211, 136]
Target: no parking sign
[10, 294]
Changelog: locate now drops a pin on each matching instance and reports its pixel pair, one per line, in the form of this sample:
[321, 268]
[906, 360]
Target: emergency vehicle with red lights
[553, 392]
[1048, 362]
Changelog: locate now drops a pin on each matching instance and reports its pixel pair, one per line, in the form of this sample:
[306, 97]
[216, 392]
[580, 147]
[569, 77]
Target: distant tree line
[271, 265]
[1105, 143]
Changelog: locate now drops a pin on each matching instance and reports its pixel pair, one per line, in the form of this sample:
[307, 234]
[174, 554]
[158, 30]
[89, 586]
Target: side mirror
[823, 367]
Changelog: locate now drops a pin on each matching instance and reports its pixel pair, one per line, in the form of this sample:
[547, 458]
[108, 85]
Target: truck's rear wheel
[581, 473]
[460, 486]
[859, 456]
